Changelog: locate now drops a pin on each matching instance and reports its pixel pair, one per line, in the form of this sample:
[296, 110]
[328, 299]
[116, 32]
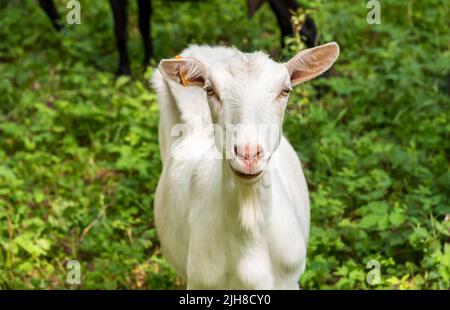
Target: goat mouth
[247, 176]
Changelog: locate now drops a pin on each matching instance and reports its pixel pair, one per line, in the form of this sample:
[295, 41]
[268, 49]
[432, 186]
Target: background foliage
[79, 157]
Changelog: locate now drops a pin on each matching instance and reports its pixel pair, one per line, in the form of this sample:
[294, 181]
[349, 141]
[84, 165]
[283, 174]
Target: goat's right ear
[186, 71]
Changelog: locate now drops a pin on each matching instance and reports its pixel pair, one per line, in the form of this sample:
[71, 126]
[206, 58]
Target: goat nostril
[260, 154]
[248, 152]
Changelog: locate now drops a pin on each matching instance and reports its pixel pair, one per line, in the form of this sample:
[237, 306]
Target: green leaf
[397, 218]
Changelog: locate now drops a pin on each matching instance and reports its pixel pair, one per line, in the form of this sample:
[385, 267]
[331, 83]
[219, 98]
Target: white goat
[241, 222]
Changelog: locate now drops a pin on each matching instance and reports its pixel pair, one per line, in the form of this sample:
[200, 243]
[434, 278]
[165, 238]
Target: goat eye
[285, 92]
[210, 91]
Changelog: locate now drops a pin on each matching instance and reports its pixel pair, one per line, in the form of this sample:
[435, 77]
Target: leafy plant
[79, 154]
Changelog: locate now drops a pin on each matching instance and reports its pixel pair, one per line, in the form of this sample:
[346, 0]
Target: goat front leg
[50, 9]
[145, 11]
[120, 14]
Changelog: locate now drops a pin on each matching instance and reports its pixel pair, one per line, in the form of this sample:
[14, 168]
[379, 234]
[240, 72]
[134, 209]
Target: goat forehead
[249, 72]
[247, 64]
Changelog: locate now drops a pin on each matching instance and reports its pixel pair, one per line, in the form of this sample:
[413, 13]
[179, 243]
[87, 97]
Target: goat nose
[249, 151]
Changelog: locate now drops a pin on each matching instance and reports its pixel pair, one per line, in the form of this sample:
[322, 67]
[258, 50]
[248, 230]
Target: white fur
[218, 232]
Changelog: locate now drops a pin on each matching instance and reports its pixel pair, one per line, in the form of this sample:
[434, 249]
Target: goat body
[217, 232]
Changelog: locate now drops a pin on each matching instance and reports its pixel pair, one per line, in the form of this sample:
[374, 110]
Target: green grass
[79, 156]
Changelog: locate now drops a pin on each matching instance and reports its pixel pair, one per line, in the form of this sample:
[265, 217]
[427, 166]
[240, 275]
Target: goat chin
[250, 213]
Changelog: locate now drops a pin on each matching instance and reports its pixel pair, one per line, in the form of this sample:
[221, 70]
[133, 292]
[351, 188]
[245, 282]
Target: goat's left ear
[312, 62]
[186, 71]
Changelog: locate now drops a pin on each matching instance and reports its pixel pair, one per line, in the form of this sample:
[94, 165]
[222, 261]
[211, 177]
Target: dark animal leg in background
[253, 6]
[309, 32]
[49, 7]
[282, 10]
[120, 14]
[145, 11]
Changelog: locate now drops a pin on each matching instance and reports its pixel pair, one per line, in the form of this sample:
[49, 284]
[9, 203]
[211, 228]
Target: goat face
[247, 96]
